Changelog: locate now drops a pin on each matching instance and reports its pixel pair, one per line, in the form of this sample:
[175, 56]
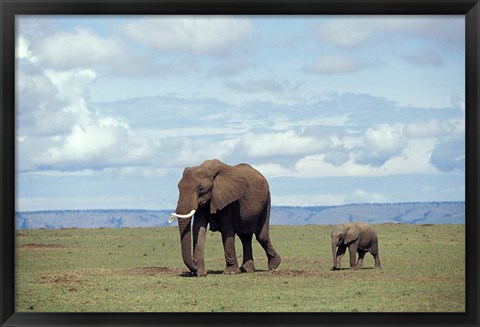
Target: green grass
[141, 270]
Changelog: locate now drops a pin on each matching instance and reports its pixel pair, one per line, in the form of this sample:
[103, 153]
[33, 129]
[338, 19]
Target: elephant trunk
[184, 226]
[184, 212]
[334, 250]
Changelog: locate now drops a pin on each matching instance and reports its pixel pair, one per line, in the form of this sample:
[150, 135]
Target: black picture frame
[10, 8]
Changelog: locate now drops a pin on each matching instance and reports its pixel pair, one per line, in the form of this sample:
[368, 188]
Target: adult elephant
[358, 237]
[235, 200]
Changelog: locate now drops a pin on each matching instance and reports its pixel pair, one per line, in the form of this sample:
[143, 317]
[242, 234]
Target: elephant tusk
[175, 215]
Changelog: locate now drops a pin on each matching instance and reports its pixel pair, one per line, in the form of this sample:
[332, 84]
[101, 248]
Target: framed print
[257, 163]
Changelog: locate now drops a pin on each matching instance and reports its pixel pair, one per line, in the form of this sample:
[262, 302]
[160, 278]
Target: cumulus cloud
[413, 159]
[449, 154]
[337, 155]
[57, 129]
[271, 170]
[380, 143]
[317, 166]
[287, 143]
[78, 48]
[198, 35]
[431, 128]
[193, 151]
[441, 29]
[104, 141]
[39, 111]
[333, 32]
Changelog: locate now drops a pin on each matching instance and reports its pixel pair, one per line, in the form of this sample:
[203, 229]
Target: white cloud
[337, 156]
[335, 65]
[432, 128]
[316, 166]
[285, 122]
[449, 154]
[271, 170]
[362, 196]
[197, 35]
[358, 196]
[86, 202]
[22, 49]
[72, 85]
[354, 32]
[380, 143]
[143, 171]
[193, 151]
[308, 200]
[58, 129]
[98, 143]
[78, 48]
[258, 145]
[335, 32]
[413, 159]
[62, 173]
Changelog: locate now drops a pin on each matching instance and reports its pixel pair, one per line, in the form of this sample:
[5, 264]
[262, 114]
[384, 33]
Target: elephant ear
[351, 234]
[228, 187]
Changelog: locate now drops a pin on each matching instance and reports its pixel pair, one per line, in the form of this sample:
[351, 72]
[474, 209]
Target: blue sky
[331, 109]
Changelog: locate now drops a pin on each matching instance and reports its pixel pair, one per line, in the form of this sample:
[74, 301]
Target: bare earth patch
[293, 272]
[152, 271]
[61, 279]
[40, 246]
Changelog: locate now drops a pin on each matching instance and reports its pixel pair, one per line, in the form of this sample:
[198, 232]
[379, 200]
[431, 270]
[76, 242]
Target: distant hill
[405, 213]
[91, 219]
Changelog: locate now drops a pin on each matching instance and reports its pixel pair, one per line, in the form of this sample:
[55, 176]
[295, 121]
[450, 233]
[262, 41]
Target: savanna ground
[141, 270]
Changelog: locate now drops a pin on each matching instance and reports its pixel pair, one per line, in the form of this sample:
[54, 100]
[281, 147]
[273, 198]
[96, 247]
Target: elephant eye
[200, 189]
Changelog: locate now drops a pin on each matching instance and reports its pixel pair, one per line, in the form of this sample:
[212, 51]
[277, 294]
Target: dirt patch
[40, 246]
[152, 271]
[293, 272]
[63, 279]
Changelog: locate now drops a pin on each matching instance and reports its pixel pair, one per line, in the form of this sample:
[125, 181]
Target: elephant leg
[352, 249]
[263, 237]
[247, 265]
[374, 252]
[361, 255]
[377, 261]
[228, 239]
[199, 236]
[273, 257]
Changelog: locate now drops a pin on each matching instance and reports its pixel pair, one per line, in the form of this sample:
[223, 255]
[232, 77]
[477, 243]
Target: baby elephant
[358, 237]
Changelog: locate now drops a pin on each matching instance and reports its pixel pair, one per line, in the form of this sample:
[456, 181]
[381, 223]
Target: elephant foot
[336, 268]
[231, 270]
[248, 267]
[274, 262]
[200, 273]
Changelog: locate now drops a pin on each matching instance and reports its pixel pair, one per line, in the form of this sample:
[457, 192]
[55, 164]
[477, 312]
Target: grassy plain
[141, 270]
